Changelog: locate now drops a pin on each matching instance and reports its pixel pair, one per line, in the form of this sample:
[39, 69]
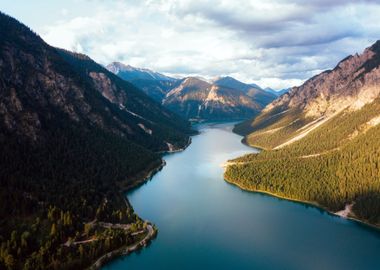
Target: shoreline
[125, 250]
[179, 149]
[314, 204]
[244, 141]
[140, 179]
[144, 177]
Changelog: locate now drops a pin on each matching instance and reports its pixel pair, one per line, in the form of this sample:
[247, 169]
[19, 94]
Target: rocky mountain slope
[154, 84]
[325, 140]
[259, 95]
[198, 99]
[352, 84]
[130, 73]
[193, 98]
[72, 135]
[277, 93]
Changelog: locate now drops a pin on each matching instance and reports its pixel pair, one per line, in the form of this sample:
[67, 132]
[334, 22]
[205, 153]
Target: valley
[197, 99]
[206, 159]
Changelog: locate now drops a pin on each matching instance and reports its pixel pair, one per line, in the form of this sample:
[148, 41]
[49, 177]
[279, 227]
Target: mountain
[130, 73]
[194, 98]
[321, 141]
[154, 84]
[254, 91]
[156, 89]
[277, 92]
[72, 136]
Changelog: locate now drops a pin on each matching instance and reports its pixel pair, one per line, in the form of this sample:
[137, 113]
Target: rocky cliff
[198, 99]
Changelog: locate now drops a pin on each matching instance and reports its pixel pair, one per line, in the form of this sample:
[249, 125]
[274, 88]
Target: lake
[206, 223]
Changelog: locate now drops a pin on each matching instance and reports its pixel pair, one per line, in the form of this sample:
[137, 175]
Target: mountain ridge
[128, 72]
[320, 141]
[350, 85]
[199, 106]
[197, 99]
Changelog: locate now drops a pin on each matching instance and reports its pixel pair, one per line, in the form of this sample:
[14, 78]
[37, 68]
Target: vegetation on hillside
[66, 151]
[334, 165]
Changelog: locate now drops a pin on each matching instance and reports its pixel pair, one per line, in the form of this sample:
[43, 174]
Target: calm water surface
[206, 223]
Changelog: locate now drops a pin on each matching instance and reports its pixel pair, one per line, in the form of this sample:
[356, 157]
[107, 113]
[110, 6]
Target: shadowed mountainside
[72, 134]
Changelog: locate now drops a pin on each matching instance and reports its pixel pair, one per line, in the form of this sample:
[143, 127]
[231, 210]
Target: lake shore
[137, 181]
[151, 233]
[144, 176]
[340, 213]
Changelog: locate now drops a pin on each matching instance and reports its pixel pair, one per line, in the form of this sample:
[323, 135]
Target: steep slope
[255, 92]
[71, 135]
[194, 98]
[350, 85]
[277, 93]
[197, 99]
[154, 84]
[148, 117]
[130, 73]
[325, 135]
[156, 89]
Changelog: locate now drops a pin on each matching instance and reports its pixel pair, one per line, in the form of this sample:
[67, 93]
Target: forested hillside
[72, 135]
[328, 155]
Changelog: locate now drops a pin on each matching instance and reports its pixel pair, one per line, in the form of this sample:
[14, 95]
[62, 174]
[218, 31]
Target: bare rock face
[354, 82]
[104, 85]
[198, 99]
[30, 81]
[257, 94]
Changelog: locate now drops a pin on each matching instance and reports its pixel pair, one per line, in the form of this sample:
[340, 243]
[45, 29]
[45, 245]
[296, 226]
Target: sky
[274, 43]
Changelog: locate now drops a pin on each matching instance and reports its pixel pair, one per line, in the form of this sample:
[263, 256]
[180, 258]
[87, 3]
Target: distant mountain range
[195, 98]
[325, 134]
[154, 84]
[257, 94]
[128, 73]
[277, 92]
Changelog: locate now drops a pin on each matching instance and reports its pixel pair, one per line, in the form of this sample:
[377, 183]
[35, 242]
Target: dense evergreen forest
[67, 152]
[334, 165]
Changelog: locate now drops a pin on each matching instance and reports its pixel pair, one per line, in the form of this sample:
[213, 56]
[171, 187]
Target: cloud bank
[275, 43]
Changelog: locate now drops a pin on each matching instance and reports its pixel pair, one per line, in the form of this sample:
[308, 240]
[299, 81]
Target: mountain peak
[130, 73]
[351, 84]
[375, 47]
[116, 67]
[194, 80]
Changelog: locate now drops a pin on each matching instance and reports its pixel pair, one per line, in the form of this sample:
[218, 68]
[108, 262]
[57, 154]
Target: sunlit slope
[322, 141]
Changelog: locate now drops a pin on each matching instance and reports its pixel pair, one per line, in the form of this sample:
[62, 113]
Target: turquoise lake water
[206, 223]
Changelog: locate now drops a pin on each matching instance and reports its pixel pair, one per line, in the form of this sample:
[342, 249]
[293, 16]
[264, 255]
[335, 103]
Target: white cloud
[277, 43]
